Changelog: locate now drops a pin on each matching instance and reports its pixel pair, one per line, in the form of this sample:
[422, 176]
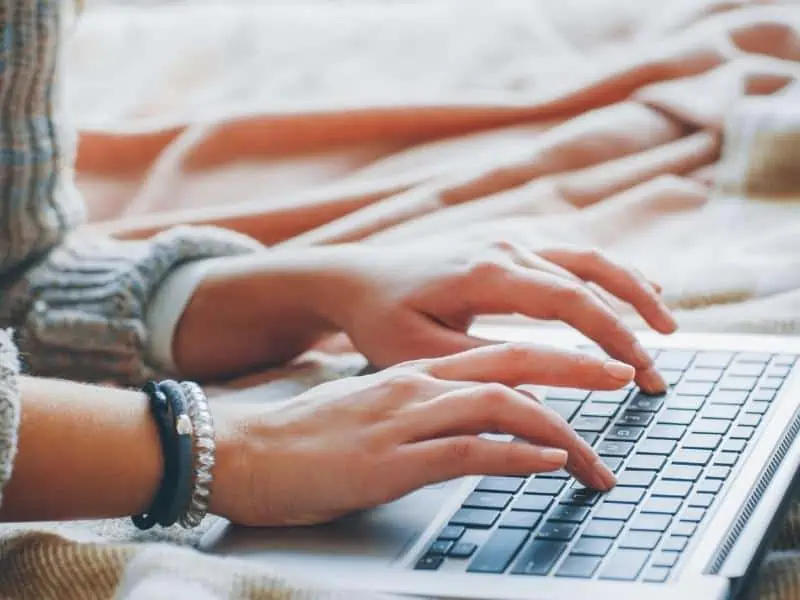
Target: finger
[491, 408]
[433, 461]
[503, 290]
[625, 284]
[517, 364]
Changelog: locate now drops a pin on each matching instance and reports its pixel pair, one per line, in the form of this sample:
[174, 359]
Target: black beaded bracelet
[169, 410]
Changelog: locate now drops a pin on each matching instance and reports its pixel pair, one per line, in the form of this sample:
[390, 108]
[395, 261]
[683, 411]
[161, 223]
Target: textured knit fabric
[77, 305]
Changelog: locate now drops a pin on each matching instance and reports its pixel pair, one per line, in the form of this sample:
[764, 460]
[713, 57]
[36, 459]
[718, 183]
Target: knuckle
[463, 450]
[408, 381]
[504, 246]
[569, 293]
[486, 269]
[517, 354]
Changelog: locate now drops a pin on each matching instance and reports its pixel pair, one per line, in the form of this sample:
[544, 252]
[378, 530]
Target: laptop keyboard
[672, 455]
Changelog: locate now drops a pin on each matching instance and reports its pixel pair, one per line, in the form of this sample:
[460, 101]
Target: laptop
[706, 474]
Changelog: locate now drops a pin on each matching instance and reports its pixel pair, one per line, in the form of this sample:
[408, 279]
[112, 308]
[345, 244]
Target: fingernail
[642, 356]
[605, 478]
[651, 381]
[554, 457]
[619, 370]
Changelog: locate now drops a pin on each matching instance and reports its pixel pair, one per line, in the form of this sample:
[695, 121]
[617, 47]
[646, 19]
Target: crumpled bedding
[667, 136]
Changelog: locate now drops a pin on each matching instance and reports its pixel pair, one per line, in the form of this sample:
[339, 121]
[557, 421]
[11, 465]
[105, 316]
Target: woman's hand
[400, 304]
[360, 442]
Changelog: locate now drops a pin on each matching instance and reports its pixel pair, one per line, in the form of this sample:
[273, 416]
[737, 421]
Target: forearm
[84, 452]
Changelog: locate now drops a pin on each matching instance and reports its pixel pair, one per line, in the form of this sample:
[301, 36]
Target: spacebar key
[538, 557]
[496, 554]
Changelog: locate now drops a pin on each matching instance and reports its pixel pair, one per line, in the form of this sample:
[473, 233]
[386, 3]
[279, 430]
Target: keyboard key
[475, 517]
[712, 426]
[487, 500]
[772, 383]
[744, 384]
[674, 544]
[547, 487]
[451, 533]
[743, 369]
[701, 500]
[672, 489]
[531, 502]
[737, 445]
[538, 557]
[642, 540]
[728, 397]
[625, 495]
[614, 448]
[644, 403]
[625, 565]
[645, 462]
[658, 447]
[560, 474]
[599, 409]
[429, 562]
[694, 388]
[667, 432]
[568, 513]
[508, 485]
[566, 394]
[709, 486]
[785, 359]
[656, 575]
[580, 497]
[779, 371]
[614, 512]
[499, 550]
[662, 505]
[651, 523]
[692, 457]
[610, 396]
[679, 402]
[671, 376]
[750, 420]
[700, 441]
[440, 547]
[704, 375]
[588, 436]
[684, 529]
[520, 519]
[742, 433]
[578, 566]
[635, 478]
[726, 412]
[756, 357]
[565, 408]
[603, 529]
[718, 472]
[726, 459]
[624, 433]
[636, 419]
[717, 360]
[612, 462]
[694, 515]
[682, 472]
[665, 559]
[591, 424]
[462, 550]
[762, 395]
[674, 359]
[758, 408]
[587, 546]
[676, 417]
[562, 532]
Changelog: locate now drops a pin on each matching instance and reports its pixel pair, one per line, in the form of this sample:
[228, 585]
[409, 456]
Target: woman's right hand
[360, 442]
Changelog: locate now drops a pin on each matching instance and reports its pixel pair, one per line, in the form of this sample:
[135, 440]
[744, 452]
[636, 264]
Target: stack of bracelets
[186, 431]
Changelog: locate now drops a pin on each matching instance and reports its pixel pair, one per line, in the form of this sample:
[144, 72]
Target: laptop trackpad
[377, 537]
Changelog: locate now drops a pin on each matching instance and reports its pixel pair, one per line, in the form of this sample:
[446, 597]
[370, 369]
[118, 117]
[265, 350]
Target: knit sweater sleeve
[77, 305]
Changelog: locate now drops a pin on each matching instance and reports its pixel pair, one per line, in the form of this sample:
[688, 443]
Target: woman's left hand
[403, 303]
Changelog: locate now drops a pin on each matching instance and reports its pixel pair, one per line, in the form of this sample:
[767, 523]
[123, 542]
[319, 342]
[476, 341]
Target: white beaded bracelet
[204, 454]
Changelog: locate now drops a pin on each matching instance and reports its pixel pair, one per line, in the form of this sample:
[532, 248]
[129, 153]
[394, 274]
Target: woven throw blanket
[669, 137]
